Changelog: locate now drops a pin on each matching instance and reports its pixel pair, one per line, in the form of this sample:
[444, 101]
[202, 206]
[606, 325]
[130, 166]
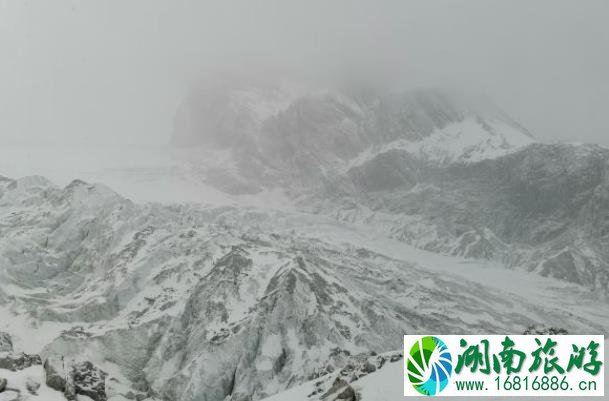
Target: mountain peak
[288, 134]
[226, 116]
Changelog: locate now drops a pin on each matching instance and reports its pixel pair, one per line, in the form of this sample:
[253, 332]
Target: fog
[114, 72]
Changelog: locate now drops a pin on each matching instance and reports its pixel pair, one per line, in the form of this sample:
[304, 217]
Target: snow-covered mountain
[191, 303]
[278, 135]
[422, 211]
[543, 208]
[445, 172]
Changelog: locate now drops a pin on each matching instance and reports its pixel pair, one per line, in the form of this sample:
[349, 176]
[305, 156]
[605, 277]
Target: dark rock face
[70, 391]
[20, 361]
[369, 367]
[80, 378]
[2, 384]
[348, 394]
[338, 384]
[89, 380]
[75, 332]
[55, 373]
[340, 391]
[6, 343]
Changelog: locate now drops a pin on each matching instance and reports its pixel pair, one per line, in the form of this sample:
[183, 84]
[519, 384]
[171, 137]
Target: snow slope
[469, 140]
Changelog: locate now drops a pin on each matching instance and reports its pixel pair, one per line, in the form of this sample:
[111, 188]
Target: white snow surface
[469, 140]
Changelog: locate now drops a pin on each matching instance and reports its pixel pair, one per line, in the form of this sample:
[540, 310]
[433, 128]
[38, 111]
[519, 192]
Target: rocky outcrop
[339, 391]
[70, 390]
[358, 366]
[19, 361]
[6, 343]
[340, 384]
[8, 393]
[55, 373]
[75, 378]
[89, 380]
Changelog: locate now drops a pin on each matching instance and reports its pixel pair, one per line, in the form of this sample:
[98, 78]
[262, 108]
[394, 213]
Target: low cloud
[115, 71]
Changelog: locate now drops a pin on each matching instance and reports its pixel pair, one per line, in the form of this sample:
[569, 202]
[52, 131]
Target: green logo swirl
[429, 365]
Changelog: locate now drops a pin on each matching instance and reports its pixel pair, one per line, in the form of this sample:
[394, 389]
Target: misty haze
[214, 201]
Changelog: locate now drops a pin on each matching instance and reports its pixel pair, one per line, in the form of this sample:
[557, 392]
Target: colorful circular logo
[429, 365]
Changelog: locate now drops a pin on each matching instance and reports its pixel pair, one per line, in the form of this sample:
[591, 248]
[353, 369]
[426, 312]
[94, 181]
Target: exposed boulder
[20, 361]
[337, 385]
[348, 394]
[89, 380]
[2, 384]
[369, 367]
[70, 390]
[340, 391]
[75, 332]
[55, 373]
[6, 343]
[77, 378]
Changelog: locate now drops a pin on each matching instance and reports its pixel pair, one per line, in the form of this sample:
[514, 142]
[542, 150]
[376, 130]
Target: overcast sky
[114, 71]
